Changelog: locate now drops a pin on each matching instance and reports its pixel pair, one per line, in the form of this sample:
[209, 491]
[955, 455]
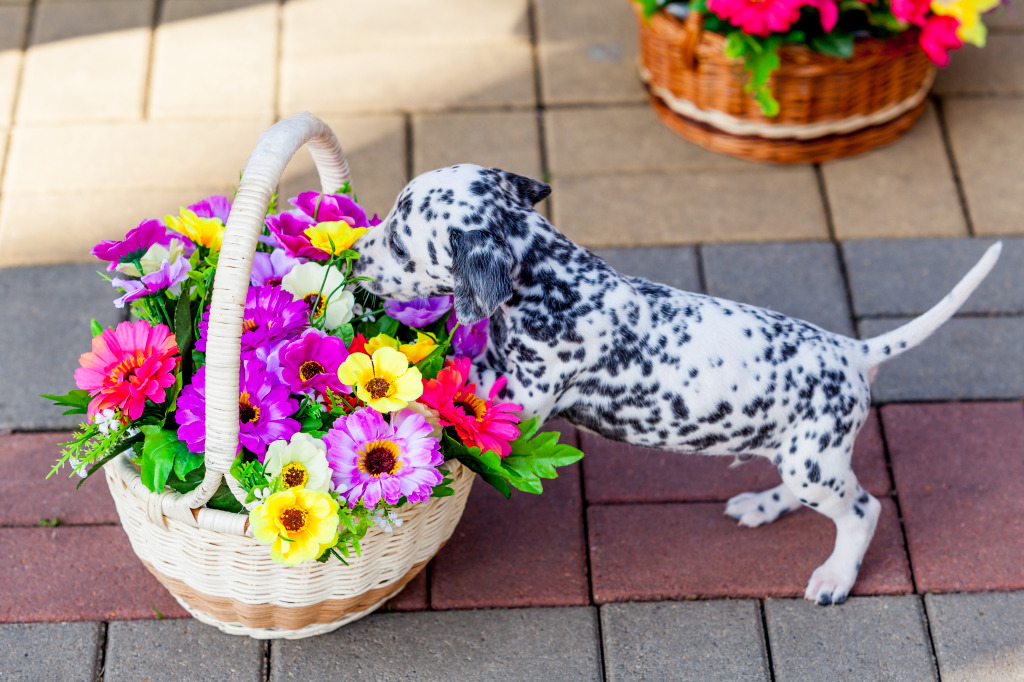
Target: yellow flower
[385, 382]
[381, 341]
[417, 351]
[968, 13]
[338, 232]
[206, 232]
[300, 523]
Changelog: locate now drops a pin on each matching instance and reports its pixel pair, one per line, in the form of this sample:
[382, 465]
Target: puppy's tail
[891, 344]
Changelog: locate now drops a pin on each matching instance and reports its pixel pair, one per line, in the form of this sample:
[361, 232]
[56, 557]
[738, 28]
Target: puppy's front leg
[534, 402]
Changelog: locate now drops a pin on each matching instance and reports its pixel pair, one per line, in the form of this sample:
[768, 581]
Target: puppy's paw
[830, 584]
[755, 509]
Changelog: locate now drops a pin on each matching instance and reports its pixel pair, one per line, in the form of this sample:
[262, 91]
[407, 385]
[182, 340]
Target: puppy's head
[449, 233]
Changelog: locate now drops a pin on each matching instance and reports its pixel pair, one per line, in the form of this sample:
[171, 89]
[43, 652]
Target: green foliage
[77, 400]
[760, 58]
[51, 523]
[835, 44]
[95, 327]
[161, 451]
[222, 499]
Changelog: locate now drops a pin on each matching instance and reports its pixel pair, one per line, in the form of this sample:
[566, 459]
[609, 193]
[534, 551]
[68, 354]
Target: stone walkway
[116, 110]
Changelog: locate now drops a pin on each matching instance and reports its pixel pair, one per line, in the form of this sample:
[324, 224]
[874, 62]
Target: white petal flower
[301, 462]
[78, 466]
[106, 421]
[306, 281]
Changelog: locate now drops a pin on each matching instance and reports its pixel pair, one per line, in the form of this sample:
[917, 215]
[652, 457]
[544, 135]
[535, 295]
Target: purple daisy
[135, 244]
[310, 363]
[372, 459]
[169, 276]
[468, 340]
[213, 207]
[264, 411]
[268, 269]
[271, 314]
[419, 312]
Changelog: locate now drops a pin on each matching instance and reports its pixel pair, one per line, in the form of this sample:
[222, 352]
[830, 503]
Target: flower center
[272, 282]
[293, 519]
[309, 369]
[316, 304]
[250, 325]
[125, 369]
[378, 388]
[472, 406]
[381, 458]
[246, 412]
[294, 475]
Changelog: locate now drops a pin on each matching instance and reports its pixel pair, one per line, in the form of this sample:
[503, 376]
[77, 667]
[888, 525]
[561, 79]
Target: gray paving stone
[909, 276]
[967, 358]
[802, 280]
[519, 644]
[50, 651]
[675, 266]
[701, 641]
[175, 650]
[978, 637]
[867, 638]
[44, 328]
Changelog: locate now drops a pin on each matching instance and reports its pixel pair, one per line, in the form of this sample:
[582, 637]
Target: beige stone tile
[406, 78]
[13, 23]
[375, 149]
[994, 70]
[627, 138]
[506, 140]
[403, 22]
[903, 190]
[1009, 16]
[588, 51]
[214, 58]
[87, 61]
[689, 207]
[129, 156]
[62, 227]
[989, 150]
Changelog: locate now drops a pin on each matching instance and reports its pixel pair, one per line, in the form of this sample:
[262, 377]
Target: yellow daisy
[299, 523]
[384, 382]
[206, 232]
[337, 232]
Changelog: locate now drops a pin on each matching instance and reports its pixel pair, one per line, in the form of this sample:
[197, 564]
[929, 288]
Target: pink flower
[127, 366]
[829, 12]
[310, 363]
[911, 11]
[759, 17]
[938, 37]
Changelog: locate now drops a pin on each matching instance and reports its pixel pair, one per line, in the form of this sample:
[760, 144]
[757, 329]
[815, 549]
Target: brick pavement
[545, 88]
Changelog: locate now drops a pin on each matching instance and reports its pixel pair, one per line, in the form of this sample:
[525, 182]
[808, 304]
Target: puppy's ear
[528, 189]
[482, 270]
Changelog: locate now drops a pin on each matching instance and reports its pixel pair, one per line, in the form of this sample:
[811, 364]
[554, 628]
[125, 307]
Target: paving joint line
[147, 82]
[267, 650]
[278, 56]
[844, 271]
[702, 275]
[101, 652]
[766, 639]
[26, 39]
[894, 496]
[931, 638]
[410, 150]
[947, 144]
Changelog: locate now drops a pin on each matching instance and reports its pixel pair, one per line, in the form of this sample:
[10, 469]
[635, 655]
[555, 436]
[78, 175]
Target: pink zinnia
[758, 17]
[127, 366]
[911, 11]
[938, 37]
[481, 423]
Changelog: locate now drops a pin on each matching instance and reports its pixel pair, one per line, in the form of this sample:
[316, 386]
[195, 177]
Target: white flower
[260, 493]
[387, 522]
[305, 282]
[302, 462]
[153, 259]
[107, 421]
[78, 466]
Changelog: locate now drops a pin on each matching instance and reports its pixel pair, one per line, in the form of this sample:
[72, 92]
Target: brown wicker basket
[829, 107]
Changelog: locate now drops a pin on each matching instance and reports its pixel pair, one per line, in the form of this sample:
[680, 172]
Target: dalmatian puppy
[644, 363]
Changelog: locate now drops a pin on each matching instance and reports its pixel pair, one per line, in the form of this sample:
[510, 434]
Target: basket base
[787, 151]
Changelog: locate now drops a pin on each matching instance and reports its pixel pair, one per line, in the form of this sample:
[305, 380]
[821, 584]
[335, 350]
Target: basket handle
[694, 25]
[261, 174]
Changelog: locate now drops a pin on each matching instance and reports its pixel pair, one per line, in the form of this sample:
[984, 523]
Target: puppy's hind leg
[755, 509]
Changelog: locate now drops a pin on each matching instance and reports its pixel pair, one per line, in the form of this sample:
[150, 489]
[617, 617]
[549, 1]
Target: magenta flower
[310, 363]
[758, 17]
[419, 312]
[268, 269]
[134, 245]
[264, 411]
[169, 276]
[331, 207]
[911, 11]
[213, 207]
[828, 11]
[938, 37]
[289, 228]
[271, 314]
[468, 340]
[372, 459]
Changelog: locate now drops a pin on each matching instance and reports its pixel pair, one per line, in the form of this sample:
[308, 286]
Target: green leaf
[160, 449]
[835, 44]
[487, 464]
[769, 105]
[186, 461]
[535, 458]
[77, 400]
[96, 327]
[433, 363]
[388, 325]
[735, 45]
[528, 428]
[183, 331]
[346, 333]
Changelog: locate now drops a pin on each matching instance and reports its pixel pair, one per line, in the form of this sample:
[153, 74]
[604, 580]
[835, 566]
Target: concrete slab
[967, 358]
[527, 644]
[867, 638]
[13, 24]
[41, 343]
[978, 637]
[675, 266]
[498, 139]
[179, 649]
[905, 189]
[974, 71]
[802, 280]
[699, 641]
[50, 651]
[909, 276]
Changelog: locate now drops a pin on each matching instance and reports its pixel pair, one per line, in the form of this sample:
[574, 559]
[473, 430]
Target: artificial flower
[289, 229]
[384, 381]
[216, 206]
[270, 316]
[168, 277]
[134, 247]
[387, 521]
[758, 17]
[128, 365]
[424, 346]
[372, 459]
[827, 10]
[432, 417]
[358, 344]
[380, 341]
[419, 312]
[968, 13]
[264, 411]
[300, 462]
[938, 37]
[300, 524]
[335, 233]
[911, 11]
[486, 424]
[268, 269]
[332, 208]
[467, 340]
[310, 363]
[203, 231]
[321, 288]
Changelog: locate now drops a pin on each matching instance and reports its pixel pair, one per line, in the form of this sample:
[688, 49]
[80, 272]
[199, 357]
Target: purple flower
[310, 363]
[213, 207]
[331, 207]
[264, 411]
[419, 312]
[169, 276]
[468, 340]
[372, 459]
[134, 245]
[268, 269]
[271, 314]
[289, 228]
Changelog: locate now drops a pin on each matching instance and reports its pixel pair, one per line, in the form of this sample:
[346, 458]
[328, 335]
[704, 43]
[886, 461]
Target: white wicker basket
[208, 558]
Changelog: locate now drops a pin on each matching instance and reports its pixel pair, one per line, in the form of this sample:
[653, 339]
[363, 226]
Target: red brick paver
[615, 472]
[29, 496]
[413, 597]
[959, 472]
[685, 551]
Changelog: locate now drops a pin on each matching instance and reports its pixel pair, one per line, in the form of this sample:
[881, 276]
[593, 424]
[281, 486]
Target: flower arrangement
[348, 407]
[755, 29]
